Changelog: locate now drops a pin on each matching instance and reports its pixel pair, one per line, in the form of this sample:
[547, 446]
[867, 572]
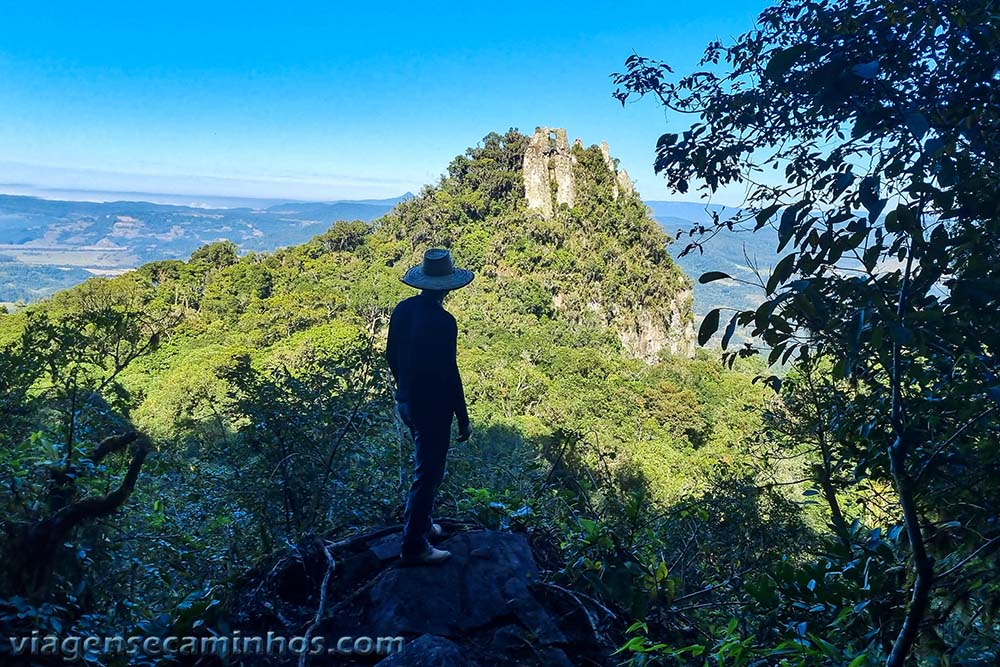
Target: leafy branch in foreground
[59, 390]
[868, 134]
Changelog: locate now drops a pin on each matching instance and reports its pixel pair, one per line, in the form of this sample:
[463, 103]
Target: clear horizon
[326, 103]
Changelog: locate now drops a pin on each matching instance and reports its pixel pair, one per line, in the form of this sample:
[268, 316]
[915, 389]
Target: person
[421, 351]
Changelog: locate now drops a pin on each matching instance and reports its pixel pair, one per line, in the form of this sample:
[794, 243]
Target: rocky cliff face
[548, 166]
[548, 171]
[623, 184]
[667, 326]
[670, 329]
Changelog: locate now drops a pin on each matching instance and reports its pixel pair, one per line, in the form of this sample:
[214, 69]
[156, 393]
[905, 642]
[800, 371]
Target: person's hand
[464, 431]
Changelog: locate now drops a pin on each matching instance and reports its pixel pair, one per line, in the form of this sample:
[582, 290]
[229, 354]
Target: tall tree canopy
[868, 133]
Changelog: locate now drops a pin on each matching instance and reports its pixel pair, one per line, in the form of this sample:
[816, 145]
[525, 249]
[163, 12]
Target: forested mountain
[748, 257]
[239, 403]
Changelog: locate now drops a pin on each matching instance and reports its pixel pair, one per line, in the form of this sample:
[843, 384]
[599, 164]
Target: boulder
[427, 651]
[486, 606]
[486, 579]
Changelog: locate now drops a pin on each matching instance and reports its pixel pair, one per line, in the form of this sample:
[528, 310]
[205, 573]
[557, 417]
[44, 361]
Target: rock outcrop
[553, 173]
[624, 182]
[488, 578]
[488, 605]
[547, 163]
[548, 171]
[670, 329]
[427, 651]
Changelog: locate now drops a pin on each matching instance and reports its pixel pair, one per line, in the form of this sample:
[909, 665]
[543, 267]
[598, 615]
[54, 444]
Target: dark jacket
[421, 351]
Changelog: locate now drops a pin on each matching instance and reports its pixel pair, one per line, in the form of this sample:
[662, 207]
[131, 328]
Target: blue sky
[321, 100]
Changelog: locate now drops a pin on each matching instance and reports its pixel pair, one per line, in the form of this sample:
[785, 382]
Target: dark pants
[431, 431]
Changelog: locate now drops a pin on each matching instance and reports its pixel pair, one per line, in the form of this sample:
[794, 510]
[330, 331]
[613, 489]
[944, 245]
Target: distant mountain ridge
[53, 244]
[738, 253]
[48, 245]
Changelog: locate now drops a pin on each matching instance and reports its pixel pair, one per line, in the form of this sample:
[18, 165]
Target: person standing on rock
[421, 351]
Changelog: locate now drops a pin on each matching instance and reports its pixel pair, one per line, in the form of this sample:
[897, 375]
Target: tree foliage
[868, 133]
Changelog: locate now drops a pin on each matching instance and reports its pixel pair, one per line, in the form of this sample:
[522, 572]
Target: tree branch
[112, 444]
[55, 528]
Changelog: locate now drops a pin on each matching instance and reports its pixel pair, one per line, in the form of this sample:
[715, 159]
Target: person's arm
[459, 406]
[461, 409]
[392, 347]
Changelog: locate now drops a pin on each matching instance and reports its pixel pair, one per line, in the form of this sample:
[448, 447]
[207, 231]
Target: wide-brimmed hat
[438, 272]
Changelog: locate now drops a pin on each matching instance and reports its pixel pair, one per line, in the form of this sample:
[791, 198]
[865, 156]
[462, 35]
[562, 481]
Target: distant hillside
[27, 282]
[731, 252]
[51, 245]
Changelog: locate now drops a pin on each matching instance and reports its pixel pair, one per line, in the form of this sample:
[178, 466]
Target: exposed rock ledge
[488, 605]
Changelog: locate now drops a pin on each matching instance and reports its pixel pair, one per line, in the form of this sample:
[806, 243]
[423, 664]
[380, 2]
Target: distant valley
[738, 253]
[47, 245]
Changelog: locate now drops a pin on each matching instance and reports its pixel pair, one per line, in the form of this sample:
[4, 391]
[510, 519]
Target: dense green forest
[168, 430]
[239, 403]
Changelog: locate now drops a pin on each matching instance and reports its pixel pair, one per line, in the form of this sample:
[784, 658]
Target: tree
[59, 388]
[300, 418]
[881, 119]
[216, 255]
[798, 432]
